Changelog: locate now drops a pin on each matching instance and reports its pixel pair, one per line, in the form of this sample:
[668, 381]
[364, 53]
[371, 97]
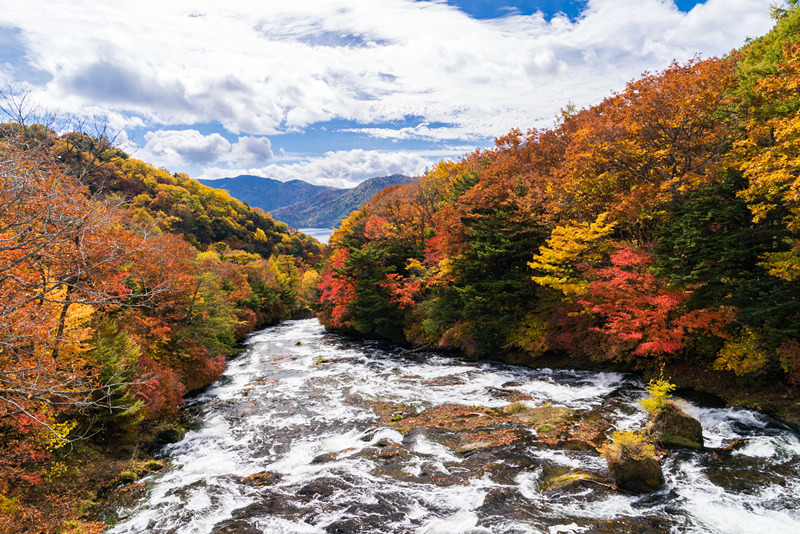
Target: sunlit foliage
[660, 224]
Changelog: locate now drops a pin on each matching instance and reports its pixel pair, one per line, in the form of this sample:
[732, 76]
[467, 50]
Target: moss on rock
[632, 460]
[672, 427]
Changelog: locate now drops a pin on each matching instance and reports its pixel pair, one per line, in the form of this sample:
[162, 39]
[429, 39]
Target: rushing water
[288, 443]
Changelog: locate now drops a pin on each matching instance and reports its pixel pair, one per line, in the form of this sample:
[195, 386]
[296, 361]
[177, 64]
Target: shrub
[659, 390]
[627, 445]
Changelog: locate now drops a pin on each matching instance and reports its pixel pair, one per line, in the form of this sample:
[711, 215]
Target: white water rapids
[303, 432]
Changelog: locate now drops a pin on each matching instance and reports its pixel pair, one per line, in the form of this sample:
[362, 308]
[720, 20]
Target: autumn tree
[63, 256]
[771, 160]
[663, 136]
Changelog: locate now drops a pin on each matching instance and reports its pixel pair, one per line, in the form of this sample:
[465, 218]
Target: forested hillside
[266, 193]
[657, 227]
[122, 289]
[301, 204]
[328, 208]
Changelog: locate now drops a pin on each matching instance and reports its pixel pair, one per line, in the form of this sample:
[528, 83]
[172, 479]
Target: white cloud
[251, 150]
[262, 68]
[179, 149]
[421, 131]
[346, 168]
[176, 148]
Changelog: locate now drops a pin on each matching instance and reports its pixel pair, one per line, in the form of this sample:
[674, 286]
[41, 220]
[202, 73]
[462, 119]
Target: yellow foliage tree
[568, 247]
[770, 159]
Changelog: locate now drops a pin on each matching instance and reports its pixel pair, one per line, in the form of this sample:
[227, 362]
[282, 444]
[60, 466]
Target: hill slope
[266, 193]
[327, 208]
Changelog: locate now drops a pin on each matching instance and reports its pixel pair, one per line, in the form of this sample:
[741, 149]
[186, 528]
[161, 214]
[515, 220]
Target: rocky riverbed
[311, 432]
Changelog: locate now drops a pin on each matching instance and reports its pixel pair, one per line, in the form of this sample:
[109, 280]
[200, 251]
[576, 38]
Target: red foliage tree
[639, 311]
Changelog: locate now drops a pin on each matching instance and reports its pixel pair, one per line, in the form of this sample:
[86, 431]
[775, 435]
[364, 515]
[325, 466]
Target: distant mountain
[327, 208]
[266, 193]
[301, 204]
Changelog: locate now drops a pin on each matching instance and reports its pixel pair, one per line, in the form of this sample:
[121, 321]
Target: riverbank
[774, 397]
[63, 502]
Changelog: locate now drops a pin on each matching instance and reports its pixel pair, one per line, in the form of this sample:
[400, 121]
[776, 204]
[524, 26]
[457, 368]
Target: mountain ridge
[301, 204]
[266, 193]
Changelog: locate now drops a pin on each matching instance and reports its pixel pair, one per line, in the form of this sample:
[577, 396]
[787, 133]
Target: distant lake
[322, 234]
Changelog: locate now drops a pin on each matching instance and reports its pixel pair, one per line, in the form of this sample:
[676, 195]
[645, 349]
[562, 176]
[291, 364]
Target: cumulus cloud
[174, 148]
[251, 150]
[277, 67]
[120, 83]
[345, 168]
[179, 149]
[269, 68]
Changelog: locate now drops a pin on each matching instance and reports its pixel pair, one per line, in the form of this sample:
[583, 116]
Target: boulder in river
[672, 427]
[637, 475]
[633, 463]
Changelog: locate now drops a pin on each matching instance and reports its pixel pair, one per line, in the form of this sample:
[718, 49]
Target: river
[291, 441]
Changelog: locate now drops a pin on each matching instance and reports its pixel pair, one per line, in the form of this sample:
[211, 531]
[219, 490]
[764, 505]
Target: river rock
[508, 503]
[235, 526]
[322, 487]
[672, 427]
[560, 478]
[164, 436]
[636, 475]
[270, 504]
[303, 313]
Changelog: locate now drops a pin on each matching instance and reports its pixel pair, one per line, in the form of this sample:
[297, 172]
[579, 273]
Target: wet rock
[576, 445]
[368, 517]
[637, 475]
[165, 436]
[434, 434]
[744, 475]
[390, 413]
[672, 427]
[502, 473]
[544, 416]
[561, 480]
[489, 439]
[324, 458]
[471, 444]
[235, 526]
[633, 463]
[633, 525]
[508, 503]
[392, 451]
[507, 394]
[737, 444]
[344, 526]
[270, 504]
[265, 478]
[321, 487]
[445, 381]
[431, 470]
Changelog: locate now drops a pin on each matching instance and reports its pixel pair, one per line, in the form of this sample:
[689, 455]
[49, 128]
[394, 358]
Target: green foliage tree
[115, 360]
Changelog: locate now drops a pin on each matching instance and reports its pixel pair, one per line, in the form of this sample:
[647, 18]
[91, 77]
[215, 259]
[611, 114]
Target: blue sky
[335, 91]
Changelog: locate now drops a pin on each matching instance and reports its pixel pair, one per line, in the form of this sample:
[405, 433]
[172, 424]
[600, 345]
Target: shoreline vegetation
[123, 289]
[658, 232]
[711, 388]
[659, 229]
